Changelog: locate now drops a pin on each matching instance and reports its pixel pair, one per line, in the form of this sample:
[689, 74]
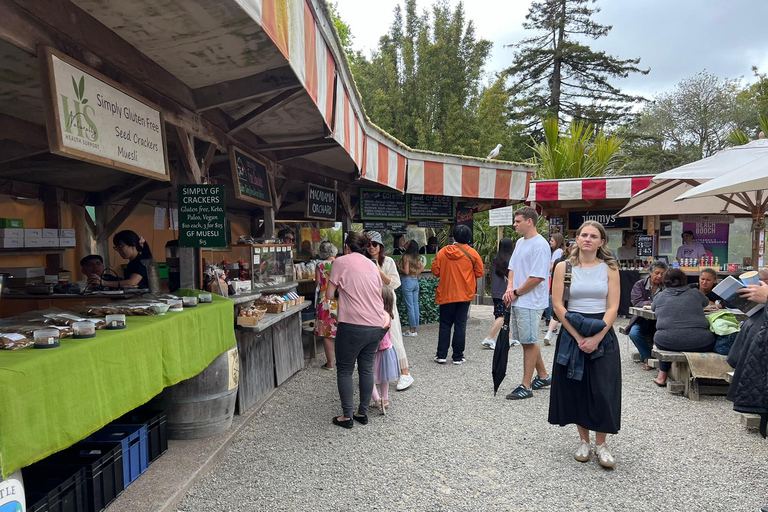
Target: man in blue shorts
[527, 296]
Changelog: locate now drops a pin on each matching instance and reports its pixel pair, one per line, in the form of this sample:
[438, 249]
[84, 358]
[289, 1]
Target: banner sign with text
[381, 204]
[607, 218]
[202, 216]
[94, 119]
[429, 207]
[321, 203]
[397, 228]
[501, 216]
[249, 177]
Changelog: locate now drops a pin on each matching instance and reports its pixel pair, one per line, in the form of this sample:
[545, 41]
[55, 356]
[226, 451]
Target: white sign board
[94, 119]
[501, 216]
[12, 493]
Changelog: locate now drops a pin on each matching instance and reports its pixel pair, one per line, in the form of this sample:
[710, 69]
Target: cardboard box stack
[11, 233]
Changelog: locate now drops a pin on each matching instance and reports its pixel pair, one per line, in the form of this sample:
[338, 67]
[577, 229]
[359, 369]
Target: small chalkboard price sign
[430, 207]
[249, 177]
[381, 204]
[321, 202]
[645, 245]
[202, 216]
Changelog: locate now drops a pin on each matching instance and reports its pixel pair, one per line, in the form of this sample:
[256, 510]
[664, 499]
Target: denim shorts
[525, 324]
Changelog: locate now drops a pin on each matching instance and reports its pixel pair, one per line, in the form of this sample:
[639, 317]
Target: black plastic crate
[157, 433]
[52, 489]
[103, 466]
[133, 440]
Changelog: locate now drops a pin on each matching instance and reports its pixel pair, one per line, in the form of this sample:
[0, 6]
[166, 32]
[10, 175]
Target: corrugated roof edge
[415, 153]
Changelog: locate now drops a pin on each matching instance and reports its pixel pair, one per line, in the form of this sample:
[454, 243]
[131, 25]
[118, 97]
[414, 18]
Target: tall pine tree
[555, 75]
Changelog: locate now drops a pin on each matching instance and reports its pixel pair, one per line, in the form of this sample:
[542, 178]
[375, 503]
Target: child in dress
[386, 367]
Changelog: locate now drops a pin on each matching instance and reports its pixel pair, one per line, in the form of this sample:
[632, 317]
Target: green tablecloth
[51, 399]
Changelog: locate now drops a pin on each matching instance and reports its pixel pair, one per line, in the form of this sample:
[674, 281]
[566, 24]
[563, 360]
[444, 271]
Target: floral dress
[327, 310]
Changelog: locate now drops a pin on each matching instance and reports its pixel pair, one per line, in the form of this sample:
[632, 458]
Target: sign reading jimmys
[94, 119]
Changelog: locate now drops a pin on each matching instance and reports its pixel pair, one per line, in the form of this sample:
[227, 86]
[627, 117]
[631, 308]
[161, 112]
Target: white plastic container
[205, 298]
[115, 322]
[189, 302]
[84, 330]
[46, 338]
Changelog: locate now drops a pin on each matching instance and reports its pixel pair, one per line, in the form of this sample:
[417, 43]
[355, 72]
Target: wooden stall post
[52, 215]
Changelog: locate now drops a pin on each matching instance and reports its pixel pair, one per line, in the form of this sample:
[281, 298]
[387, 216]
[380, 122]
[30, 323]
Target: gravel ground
[449, 444]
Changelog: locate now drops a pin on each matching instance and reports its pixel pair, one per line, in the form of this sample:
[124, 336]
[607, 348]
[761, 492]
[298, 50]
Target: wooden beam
[284, 190]
[280, 100]
[320, 170]
[18, 130]
[290, 154]
[346, 204]
[123, 214]
[207, 160]
[249, 87]
[298, 144]
[187, 155]
[52, 219]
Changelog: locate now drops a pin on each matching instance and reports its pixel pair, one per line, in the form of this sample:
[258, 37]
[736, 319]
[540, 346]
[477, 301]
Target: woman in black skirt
[592, 402]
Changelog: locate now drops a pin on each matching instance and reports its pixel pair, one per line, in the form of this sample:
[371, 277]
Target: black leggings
[356, 343]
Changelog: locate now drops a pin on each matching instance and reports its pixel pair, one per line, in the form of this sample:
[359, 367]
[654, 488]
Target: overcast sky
[675, 38]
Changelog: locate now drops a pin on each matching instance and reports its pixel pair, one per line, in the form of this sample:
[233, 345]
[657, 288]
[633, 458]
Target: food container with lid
[83, 330]
[160, 308]
[205, 298]
[115, 322]
[189, 302]
[176, 305]
[46, 338]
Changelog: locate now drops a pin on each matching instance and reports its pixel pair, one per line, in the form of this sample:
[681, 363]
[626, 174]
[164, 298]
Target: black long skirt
[594, 402]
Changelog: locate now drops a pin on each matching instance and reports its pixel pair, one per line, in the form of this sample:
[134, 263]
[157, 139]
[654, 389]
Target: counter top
[242, 298]
[271, 319]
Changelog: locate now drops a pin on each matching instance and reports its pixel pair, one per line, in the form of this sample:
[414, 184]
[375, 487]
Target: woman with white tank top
[593, 403]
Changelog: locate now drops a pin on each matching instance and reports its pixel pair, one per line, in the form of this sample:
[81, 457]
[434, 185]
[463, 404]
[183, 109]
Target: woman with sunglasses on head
[135, 249]
[390, 277]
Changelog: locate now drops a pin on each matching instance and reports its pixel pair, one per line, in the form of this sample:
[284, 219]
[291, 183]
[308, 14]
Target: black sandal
[343, 423]
[363, 420]
[659, 384]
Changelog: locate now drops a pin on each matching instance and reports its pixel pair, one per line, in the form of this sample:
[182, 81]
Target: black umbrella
[501, 354]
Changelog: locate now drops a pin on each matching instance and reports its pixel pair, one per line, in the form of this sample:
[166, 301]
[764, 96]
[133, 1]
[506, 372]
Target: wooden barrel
[203, 405]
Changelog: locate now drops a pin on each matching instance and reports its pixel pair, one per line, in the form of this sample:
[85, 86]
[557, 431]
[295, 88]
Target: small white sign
[173, 219]
[501, 216]
[12, 493]
[159, 218]
[95, 120]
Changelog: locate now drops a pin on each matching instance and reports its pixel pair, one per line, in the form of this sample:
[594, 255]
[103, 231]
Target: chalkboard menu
[249, 177]
[379, 225]
[202, 216]
[381, 204]
[430, 207]
[645, 245]
[321, 203]
[434, 224]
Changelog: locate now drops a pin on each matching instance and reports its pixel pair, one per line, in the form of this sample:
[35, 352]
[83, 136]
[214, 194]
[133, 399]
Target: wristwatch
[515, 292]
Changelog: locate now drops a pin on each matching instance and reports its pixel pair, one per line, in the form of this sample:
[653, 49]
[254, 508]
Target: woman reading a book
[680, 321]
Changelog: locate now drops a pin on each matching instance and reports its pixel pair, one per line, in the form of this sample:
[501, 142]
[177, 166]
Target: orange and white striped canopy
[458, 180]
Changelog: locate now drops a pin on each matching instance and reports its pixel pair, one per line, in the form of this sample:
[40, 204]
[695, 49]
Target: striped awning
[619, 187]
[458, 180]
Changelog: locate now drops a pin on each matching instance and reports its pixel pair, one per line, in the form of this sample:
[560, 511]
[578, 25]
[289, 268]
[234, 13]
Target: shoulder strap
[467, 255]
[567, 283]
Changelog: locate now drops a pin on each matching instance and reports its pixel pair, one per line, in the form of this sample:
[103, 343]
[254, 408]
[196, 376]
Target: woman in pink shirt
[362, 325]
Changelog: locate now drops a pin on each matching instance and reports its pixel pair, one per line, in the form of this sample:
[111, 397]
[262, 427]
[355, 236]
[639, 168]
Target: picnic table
[651, 315]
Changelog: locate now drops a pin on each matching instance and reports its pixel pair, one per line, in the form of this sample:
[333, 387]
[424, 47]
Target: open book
[727, 289]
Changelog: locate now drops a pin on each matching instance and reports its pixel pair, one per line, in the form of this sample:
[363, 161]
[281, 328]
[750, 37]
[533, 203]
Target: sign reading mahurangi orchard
[92, 118]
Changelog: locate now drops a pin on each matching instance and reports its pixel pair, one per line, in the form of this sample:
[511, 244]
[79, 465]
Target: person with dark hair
[706, 285]
[362, 324]
[431, 247]
[399, 243]
[135, 249]
[92, 267]
[641, 330]
[287, 236]
[627, 251]
[690, 249]
[498, 287]
[586, 375]
[390, 277]
[681, 324]
[557, 244]
[458, 266]
[527, 296]
[411, 266]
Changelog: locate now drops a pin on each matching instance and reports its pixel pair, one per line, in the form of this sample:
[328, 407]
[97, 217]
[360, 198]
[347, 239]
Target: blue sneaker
[538, 382]
[520, 393]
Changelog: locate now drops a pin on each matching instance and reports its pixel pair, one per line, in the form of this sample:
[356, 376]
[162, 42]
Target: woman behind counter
[135, 249]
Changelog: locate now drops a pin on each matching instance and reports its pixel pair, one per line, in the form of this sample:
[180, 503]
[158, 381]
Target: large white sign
[501, 216]
[12, 493]
[96, 121]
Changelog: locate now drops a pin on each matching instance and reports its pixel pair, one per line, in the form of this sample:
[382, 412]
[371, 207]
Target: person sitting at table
[641, 330]
[431, 247]
[706, 284]
[690, 249]
[92, 267]
[135, 249]
[681, 324]
[627, 251]
[399, 244]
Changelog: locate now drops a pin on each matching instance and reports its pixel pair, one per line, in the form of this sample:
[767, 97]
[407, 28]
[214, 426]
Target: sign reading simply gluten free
[202, 216]
[91, 118]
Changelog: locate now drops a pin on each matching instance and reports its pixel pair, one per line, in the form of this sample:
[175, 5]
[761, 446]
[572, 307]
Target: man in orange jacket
[458, 266]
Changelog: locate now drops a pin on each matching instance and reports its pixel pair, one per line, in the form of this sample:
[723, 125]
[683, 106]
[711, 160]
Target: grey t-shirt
[680, 321]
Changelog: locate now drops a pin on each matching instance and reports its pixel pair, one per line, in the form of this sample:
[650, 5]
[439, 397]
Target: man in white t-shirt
[690, 249]
[527, 296]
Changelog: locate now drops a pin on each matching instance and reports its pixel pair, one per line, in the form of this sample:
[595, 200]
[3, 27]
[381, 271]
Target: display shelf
[272, 318]
[32, 250]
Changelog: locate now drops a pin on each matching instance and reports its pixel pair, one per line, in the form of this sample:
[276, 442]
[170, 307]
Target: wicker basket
[272, 308]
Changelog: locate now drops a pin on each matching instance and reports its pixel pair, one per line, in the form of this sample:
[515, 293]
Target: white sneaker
[513, 343]
[604, 456]
[439, 360]
[409, 333]
[414, 333]
[404, 382]
[489, 343]
[583, 451]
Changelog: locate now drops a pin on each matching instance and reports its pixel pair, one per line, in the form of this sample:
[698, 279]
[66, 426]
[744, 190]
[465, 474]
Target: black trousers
[453, 314]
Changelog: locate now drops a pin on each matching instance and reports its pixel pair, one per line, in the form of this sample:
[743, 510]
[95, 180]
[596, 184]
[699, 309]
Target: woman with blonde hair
[411, 266]
[586, 375]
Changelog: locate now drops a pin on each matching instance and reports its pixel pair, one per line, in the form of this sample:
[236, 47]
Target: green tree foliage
[423, 82]
[554, 75]
[342, 29]
[577, 153]
[496, 127]
[645, 154]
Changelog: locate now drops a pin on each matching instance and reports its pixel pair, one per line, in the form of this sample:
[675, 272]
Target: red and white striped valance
[384, 165]
[348, 131]
[590, 188]
[444, 179]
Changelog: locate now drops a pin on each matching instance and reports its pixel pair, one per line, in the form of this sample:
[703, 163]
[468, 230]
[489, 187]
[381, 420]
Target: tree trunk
[554, 99]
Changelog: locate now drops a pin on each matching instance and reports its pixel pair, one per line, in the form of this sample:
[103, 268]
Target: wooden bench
[683, 380]
[747, 420]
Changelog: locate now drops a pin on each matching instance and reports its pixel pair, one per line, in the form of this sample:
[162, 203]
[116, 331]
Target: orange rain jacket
[458, 275]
